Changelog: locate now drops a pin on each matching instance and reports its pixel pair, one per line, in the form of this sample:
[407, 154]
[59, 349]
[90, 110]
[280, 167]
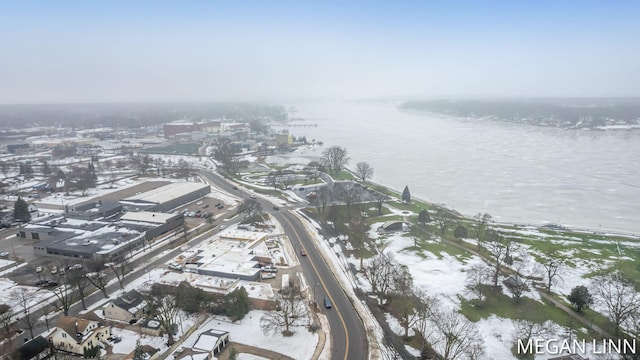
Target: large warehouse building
[166, 198]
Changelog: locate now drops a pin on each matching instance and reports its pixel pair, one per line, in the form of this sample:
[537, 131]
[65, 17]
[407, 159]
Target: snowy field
[444, 276]
[248, 332]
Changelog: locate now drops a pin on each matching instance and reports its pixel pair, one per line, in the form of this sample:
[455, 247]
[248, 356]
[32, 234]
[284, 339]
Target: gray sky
[207, 51]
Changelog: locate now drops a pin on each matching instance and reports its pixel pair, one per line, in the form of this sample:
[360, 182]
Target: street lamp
[314, 293]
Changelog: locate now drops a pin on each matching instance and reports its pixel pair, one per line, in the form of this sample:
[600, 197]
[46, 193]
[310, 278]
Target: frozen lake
[518, 173]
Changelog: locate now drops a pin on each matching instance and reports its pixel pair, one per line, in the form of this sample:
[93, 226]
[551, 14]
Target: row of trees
[145, 164]
[434, 326]
[166, 302]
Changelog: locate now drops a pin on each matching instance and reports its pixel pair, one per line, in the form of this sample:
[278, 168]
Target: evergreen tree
[46, 170]
[423, 217]
[92, 171]
[138, 353]
[580, 297]
[21, 210]
[406, 195]
[237, 303]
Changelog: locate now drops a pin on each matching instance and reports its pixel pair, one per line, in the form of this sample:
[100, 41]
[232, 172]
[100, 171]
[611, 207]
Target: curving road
[348, 338]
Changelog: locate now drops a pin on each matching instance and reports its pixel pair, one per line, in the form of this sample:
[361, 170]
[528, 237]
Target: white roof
[209, 340]
[167, 192]
[147, 216]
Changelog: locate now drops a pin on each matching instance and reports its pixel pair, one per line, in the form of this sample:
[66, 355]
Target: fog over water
[518, 173]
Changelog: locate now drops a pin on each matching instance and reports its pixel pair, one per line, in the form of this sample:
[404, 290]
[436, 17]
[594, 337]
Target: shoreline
[300, 153]
[561, 227]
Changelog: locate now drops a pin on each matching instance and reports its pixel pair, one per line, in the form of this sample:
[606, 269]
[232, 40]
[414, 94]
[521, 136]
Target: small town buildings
[77, 335]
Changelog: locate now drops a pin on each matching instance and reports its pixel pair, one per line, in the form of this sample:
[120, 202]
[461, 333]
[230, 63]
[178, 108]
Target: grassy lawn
[504, 306]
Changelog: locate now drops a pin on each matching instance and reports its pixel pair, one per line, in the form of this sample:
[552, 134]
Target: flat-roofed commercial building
[160, 222]
[166, 198]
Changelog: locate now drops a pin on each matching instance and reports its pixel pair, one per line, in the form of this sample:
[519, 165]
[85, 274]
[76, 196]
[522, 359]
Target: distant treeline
[570, 113]
[132, 115]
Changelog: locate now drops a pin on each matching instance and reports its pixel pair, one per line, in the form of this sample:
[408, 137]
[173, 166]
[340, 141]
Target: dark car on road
[327, 303]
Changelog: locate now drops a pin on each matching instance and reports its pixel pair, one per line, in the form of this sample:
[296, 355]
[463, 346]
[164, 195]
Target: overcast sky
[73, 51]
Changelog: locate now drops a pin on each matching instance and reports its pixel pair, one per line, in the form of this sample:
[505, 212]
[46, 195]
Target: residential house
[127, 308]
[77, 335]
[34, 349]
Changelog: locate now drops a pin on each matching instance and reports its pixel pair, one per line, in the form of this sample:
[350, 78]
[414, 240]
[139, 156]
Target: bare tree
[273, 179]
[530, 330]
[250, 207]
[22, 297]
[142, 162]
[225, 153]
[364, 171]
[120, 269]
[443, 218]
[322, 198]
[164, 308]
[158, 162]
[184, 169]
[381, 270]
[412, 306]
[476, 279]
[334, 158]
[552, 263]
[379, 199]
[428, 309]
[64, 293]
[98, 277]
[405, 305]
[500, 251]
[482, 226]
[78, 280]
[457, 336]
[5, 318]
[350, 194]
[290, 312]
[618, 296]
[358, 236]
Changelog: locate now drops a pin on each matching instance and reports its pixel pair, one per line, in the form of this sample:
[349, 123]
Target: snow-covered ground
[248, 331]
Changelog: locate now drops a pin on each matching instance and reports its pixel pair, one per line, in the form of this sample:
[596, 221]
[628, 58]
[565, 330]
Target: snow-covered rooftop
[167, 192]
[147, 216]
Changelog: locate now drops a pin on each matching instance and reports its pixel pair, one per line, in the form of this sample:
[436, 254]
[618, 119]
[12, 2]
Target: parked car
[54, 270]
[253, 196]
[39, 269]
[235, 187]
[267, 275]
[4, 254]
[276, 207]
[176, 267]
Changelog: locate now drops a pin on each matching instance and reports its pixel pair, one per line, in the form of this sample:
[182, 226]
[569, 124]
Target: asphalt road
[348, 338]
